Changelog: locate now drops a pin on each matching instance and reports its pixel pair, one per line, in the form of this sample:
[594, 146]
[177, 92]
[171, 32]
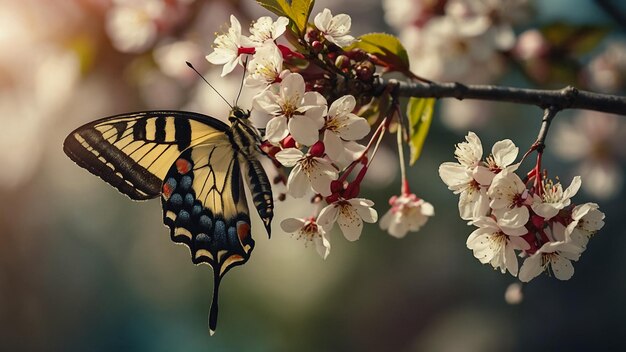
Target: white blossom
[491, 244]
[407, 213]
[587, 219]
[308, 230]
[292, 110]
[265, 29]
[554, 198]
[266, 65]
[227, 49]
[309, 172]
[554, 255]
[349, 214]
[334, 28]
[341, 125]
[508, 199]
[132, 26]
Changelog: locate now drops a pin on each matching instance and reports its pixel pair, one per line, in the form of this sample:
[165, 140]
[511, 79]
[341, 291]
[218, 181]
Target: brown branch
[566, 98]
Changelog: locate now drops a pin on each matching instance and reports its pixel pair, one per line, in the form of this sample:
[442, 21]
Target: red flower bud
[317, 149]
[288, 142]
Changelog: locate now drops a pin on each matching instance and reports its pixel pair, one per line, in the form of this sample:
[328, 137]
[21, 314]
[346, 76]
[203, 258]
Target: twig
[566, 98]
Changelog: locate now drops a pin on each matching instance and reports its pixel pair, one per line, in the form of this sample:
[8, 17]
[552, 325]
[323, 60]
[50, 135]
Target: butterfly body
[196, 164]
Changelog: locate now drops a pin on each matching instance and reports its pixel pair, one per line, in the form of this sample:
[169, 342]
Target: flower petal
[291, 225]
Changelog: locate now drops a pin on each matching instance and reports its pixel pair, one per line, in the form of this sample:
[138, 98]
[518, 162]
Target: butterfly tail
[214, 307]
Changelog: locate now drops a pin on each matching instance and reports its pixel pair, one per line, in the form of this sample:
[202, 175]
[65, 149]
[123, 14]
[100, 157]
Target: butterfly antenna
[245, 69]
[207, 82]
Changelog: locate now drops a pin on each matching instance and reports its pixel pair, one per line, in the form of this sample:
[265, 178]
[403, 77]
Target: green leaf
[298, 11]
[387, 48]
[574, 39]
[420, 114]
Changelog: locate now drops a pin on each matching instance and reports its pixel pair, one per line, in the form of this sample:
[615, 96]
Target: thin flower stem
[381, 128]
[566, 98]
[405, 186]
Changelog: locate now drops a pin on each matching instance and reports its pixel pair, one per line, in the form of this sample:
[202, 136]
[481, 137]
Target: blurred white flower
[334, 28]
[607, 71]
[229, 47]
[171, 57]
[587, 219]
[265, 29]
[349, 214]
[554, 255]
[308, 230]
[266, 65]
[132, 26]
[309, 171]
[293, 111]
[596, 141]
[407, 213]
[514, 293]
[491, 244]
[553, 198]
[463, 115]
[403, 13]
[453, 49]
[341, 126]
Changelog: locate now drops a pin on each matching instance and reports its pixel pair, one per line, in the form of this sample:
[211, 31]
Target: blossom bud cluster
[535, 219]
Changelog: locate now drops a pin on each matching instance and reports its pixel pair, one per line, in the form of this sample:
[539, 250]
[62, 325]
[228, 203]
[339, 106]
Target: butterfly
[197, 165]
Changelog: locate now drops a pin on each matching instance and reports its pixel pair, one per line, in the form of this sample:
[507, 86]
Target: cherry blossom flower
[407, 213]
[265, 66]
[131, 25]
[607, 71]
[293, 111]
[553, 198]
[229, 47]
[587, 219]
[308, 172]
[491, 244]
[470, 177]
[508, 199]
[335, 28]
[554, 255]
[265, 29]
[349, 214]
[342, 125]
[308, 230]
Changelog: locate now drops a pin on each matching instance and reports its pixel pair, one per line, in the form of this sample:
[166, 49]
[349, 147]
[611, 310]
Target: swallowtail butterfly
[196, 164]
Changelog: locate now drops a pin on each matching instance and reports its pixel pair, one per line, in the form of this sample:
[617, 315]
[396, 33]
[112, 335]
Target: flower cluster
[450, 39]
[312, 129]
[533, 216]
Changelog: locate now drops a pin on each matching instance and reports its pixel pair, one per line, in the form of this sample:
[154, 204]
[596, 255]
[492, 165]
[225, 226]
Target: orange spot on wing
[243, 231]
[183, 166]
[167, 190]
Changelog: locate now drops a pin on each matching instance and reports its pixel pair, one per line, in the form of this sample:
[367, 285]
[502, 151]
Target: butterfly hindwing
[133, 152]
[204, 205]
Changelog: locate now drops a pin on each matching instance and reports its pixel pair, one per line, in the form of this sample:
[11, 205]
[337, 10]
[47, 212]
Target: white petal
[321, 177]
[368, 214]
[328, 216]
[453, 174]
[531, 268]
[512, 218]
[322, 245]
[545, 210]
[333, 145]
[350, 223]
[289, 157]
[562, 268]
[292, 88]
[291, 225]
[342, 106]
[573, 188]
[303, 130]
[297, 183]
[511, 260]
[504, 153]
[322, 20]
[276, 129]
[355, 128]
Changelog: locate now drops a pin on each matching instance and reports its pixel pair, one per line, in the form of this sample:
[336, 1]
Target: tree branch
[566, 98]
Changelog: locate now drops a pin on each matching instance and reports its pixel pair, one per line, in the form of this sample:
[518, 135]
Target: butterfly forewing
[133, 152]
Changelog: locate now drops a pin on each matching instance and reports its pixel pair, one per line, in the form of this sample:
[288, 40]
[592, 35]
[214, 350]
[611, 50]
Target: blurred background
[82, 268]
